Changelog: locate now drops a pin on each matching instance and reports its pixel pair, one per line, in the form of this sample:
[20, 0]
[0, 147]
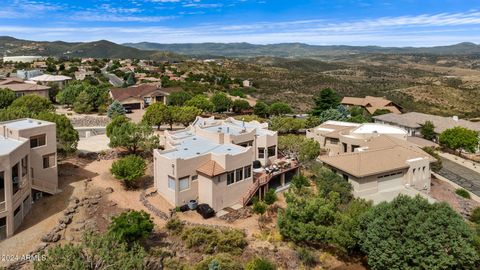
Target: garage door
[390, 182]
[132, 106]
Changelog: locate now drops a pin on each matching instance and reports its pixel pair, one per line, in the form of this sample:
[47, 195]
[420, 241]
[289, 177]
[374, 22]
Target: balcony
[263, 176]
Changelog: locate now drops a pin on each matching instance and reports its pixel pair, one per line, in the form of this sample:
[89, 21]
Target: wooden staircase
[261, 181]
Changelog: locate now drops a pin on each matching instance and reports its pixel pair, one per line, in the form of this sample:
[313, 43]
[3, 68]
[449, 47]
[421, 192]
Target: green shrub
[475, 217]
[210, 240]
[103, 251]
[270, 197]
[131, 226]
[411, 233]
[463, 193]
[175, 225]
[299, 181]
[219, 262]
[237, 93]
[259, 207]
[306, 256]
[129, 169]
[260, 264]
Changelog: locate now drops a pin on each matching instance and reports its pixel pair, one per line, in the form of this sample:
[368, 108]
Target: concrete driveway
[461, 175]
[95, 143]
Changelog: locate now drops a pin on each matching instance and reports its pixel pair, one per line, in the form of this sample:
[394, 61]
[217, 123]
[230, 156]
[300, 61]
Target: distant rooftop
[368, 128]
[232, 126]
[7, 145]
[25, 123]
[416, 120]
[50, 78]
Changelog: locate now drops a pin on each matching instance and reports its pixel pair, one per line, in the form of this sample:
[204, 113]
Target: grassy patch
[463, 193]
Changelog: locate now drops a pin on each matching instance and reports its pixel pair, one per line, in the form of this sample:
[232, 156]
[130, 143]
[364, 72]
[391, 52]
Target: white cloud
[421, 30]
[105, 17]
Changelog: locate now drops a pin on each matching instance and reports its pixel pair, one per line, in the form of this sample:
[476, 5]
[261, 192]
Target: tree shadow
[49, 205]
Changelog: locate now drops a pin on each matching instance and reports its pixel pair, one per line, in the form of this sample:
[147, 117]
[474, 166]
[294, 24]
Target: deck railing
[263, 180]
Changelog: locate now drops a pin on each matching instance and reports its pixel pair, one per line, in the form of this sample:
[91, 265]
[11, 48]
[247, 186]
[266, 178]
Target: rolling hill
[98, 49]
[299, 49]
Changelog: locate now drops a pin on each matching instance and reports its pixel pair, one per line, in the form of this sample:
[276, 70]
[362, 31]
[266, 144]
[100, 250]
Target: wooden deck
[262, 179]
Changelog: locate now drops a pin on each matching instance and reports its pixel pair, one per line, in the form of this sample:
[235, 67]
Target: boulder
[65, 220]
[51, 237]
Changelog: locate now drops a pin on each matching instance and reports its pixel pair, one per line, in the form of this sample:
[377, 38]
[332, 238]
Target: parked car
[205, 210]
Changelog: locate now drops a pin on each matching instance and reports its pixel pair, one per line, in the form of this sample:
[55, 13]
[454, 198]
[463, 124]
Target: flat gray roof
[7, 145]
[194, 146]
[25, 123]
[233, 127]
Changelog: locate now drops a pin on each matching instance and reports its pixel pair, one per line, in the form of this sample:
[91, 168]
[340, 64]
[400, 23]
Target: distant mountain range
[298, 49]
[98, 49]
[145, 50]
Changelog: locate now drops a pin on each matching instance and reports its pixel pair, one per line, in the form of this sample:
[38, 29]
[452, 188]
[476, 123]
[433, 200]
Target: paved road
[461, 175]
[113, 79]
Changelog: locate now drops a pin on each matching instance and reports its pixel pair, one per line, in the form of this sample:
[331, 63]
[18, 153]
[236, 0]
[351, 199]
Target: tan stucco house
[376, 159]
[372, 104]
[21, 88]
[140, 96]
[28, 167]
[211, 161]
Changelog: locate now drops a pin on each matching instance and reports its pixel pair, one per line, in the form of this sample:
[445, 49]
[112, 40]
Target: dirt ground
[444, 192]
[101, 197]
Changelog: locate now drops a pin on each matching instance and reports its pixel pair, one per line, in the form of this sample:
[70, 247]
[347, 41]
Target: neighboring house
[28, 74]
[81, 74]
[344, 137]
[211, 161]
[60, 80]
[376, 159]
[140, 96]
[39, 64]
[28, 167]
[372, 104]
[20, 88]
[413, 121]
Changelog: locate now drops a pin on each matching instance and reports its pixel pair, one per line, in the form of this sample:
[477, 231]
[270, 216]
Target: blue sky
[322, 22]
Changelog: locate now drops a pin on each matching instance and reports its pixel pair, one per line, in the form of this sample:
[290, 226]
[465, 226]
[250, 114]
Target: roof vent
[228, 149]
[198, 153]
[194, 139]
[185, 149]
[30, 120]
